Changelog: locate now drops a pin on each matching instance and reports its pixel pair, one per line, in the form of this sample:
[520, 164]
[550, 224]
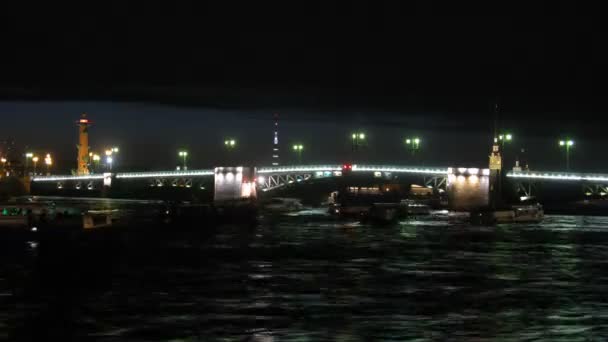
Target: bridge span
[273, 177]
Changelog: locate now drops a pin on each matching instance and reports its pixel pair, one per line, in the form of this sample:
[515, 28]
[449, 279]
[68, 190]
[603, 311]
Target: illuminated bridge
[267, 178]
[270, 178]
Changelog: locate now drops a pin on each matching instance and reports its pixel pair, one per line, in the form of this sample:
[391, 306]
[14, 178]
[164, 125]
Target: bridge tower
[275, 141]
[83, 145]
[495, 167]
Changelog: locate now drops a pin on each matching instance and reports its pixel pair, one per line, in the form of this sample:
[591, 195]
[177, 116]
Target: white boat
[284, 205]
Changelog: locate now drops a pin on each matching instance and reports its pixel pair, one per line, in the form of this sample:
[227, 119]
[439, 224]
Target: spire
[275, 141]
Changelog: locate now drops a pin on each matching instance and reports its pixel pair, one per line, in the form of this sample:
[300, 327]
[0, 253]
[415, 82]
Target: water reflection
[302, 280]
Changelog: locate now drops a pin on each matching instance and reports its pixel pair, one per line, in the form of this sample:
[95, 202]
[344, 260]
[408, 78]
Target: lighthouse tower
[83, 145]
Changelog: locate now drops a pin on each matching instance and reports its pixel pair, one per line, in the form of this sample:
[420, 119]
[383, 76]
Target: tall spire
[275, 141]
[496, 121]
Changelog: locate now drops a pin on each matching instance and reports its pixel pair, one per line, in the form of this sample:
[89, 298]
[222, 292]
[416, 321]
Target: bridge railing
[67, 178]
[165, 174]
[298, 168]
[559, 176]
[401, 169]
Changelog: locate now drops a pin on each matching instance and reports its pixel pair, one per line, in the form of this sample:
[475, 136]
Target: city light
[3, 160]
[35, 160]
[29, 155]
[48, 161]
[413, 144]
[115, 149]
[109, 152]
[502, 138]
[184, 155]
[567, 144]
[358, 139]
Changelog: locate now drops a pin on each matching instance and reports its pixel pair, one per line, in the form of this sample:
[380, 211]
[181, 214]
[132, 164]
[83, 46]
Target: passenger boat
[381, 203]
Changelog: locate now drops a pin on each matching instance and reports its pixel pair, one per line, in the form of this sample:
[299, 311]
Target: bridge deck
[424, 170]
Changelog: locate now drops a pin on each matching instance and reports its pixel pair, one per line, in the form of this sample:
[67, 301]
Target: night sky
[157, 78]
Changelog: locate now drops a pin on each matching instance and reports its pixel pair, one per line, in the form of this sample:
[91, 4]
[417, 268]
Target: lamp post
[48, 161]
[567, 144]
[184, 155]
[298, 148]
[109, 158]
[413, 144]
[358, 139]
[502, 138]
[28, 156]
[96, 159]
[3, 161]
[230, 143]
[35, 160]
[115, 151]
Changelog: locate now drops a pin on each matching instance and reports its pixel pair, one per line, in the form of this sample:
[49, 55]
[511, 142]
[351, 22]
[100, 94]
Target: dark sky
[158, 77]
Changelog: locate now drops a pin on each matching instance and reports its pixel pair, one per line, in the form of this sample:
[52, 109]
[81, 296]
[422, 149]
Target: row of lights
[48, 161]
[109, 155]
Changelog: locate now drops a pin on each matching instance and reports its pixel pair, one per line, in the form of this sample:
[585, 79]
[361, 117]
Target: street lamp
[358, 139]
[502, 138]
[184, 155]
[115, 149]
[413, 144]
[109, 161]
[48, 161]
[230, 143]
[567, 144]
[28, 156]
[96, 158]
[35, 160]
[298, 148]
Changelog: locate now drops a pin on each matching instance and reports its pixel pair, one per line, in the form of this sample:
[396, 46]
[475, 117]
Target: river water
[309, 278]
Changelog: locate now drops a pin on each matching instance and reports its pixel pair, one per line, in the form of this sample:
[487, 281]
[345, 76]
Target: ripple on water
[422, 279]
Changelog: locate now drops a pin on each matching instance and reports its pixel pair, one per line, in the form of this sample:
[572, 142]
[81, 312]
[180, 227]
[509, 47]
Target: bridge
[268, 178]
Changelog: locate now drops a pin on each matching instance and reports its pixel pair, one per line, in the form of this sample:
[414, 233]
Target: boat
[26, 215]
[415, 208]
[380, 203]
[382, 213]
[283, 205]
[527, 213]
